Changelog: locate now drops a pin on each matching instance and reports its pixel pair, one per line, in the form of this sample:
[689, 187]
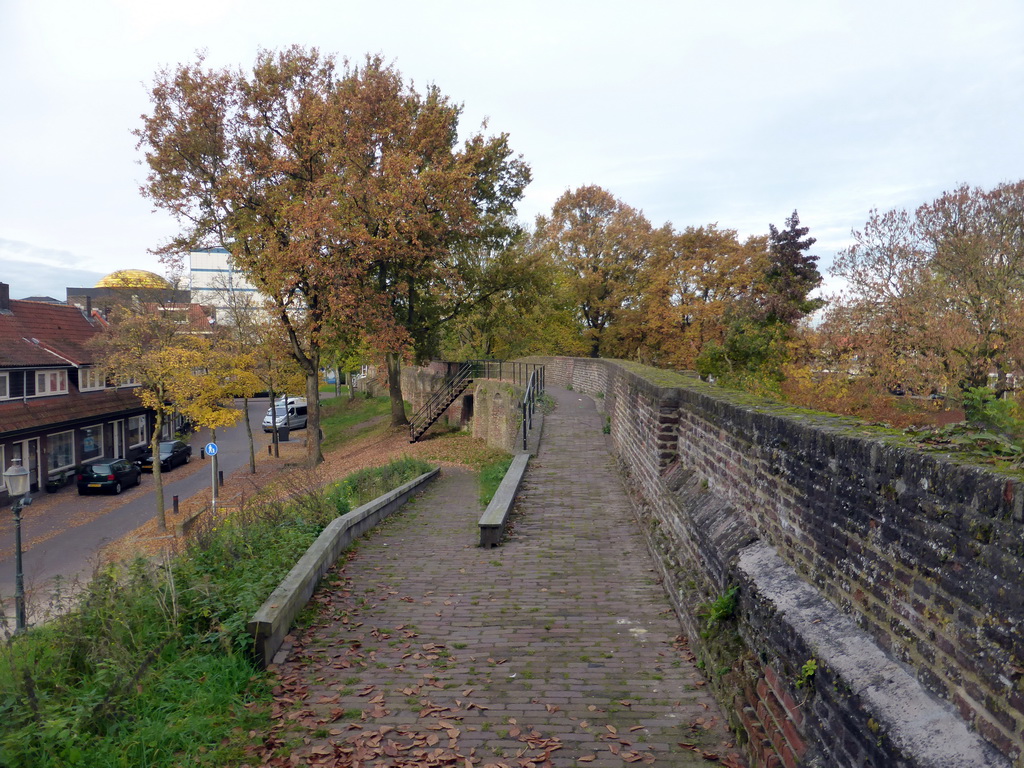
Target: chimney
[5, 297]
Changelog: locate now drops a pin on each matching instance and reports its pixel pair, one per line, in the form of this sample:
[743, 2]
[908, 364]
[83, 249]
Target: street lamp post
[17, 480]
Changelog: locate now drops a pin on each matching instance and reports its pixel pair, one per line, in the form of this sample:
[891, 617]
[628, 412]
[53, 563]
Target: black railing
[454, 385]
[534, 388]
[459, 375]
[503, 370]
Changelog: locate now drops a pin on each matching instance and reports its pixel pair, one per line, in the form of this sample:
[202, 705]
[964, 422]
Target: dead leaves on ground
[732, 760]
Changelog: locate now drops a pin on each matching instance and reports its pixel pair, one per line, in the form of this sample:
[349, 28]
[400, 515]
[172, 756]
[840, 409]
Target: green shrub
[982, 407]
[367, 484]
[155, 666]
[491, 476]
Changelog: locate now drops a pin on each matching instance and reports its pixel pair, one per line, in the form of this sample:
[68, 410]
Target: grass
[463, 448]
[328, 389]
[491, 475]
[156, 668]
[343, 420]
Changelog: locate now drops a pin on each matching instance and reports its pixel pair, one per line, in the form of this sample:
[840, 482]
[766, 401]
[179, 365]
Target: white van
[291, 412]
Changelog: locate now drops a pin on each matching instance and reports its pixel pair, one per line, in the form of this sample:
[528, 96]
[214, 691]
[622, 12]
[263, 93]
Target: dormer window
[4, 386]
[52, 382]
[91, 378]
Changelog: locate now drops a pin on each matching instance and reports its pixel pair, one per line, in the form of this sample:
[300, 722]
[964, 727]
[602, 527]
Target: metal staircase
[438, 403]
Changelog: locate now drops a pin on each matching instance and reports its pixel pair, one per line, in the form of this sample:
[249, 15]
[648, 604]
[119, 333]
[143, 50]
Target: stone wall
[497, 414]
[878, 616]
[419, 383]
[489, 407]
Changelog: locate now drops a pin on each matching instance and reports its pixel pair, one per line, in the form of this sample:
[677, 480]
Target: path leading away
[558, 648]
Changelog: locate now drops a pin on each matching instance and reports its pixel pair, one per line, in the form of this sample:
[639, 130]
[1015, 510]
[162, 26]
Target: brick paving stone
[556, 646]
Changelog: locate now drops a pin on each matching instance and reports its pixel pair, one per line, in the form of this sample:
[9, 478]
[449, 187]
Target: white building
[215, 282]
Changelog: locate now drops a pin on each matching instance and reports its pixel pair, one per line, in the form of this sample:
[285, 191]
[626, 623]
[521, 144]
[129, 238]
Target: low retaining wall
[271, 622]
[877, 618]
[492, 522]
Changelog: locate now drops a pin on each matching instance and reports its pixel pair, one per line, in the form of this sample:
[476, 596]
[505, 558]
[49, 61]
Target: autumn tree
[149, 349]
[692, 285]
[603, 244]
[762, 325]
[342, 194]
[975, 241]
[206, 394]
[535, 316]
[244, 328]
[878, 328]
[935, 297]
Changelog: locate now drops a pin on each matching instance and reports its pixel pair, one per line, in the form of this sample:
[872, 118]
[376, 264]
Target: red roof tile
[36, 413]
[37, 334]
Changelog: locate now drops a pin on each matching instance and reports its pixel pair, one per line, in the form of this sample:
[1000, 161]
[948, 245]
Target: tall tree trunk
[248, 432]
[158, 480]
[394, 363]
[273, 424]
[314, 455]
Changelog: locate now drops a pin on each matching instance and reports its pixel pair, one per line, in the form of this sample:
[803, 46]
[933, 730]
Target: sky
[735, 112]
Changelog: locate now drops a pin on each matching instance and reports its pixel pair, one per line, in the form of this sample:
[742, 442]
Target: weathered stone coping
[923, 730]
[274, 618]
[492, 522]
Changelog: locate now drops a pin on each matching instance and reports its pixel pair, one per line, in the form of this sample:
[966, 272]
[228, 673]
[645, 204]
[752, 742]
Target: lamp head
[16, 479]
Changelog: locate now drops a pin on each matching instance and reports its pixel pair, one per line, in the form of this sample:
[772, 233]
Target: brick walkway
[557, 648]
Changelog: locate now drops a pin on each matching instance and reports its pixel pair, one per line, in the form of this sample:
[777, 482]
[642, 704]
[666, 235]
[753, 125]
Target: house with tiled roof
[57, 410]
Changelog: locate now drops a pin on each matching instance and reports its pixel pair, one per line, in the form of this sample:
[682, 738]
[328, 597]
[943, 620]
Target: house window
[61, 451]
[92, 442]
[4, 393]
[136, 430]
[91, 378]
[126, 381]
[52, 382]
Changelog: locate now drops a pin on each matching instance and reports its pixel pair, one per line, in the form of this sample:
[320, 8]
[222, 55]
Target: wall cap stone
[924, 731]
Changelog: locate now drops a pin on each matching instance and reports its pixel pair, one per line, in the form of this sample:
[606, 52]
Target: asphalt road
[63, 532]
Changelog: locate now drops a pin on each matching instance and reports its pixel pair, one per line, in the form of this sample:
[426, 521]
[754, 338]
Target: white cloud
[695, 112]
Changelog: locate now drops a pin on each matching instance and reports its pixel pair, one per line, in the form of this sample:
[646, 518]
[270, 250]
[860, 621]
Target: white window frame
[5, 389]
[91, 378]
[54, 381]
[51, 454]
[124, 381]
[136, 422]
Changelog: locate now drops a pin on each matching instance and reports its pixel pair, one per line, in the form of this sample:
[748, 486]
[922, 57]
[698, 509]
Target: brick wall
[898, 574]
[497, 414]
[419, 383]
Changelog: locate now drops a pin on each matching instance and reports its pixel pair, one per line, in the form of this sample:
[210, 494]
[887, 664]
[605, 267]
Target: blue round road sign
[211, 449]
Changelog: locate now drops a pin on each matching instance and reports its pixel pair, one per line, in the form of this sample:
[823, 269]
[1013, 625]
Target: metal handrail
[529, 405]
[504, 370]
[426, 411]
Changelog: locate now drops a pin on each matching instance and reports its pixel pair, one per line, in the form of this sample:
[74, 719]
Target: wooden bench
[492, 522]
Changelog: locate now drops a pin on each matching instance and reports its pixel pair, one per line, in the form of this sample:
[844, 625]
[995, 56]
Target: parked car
[112, 475]
[173, 453]
[290, 413]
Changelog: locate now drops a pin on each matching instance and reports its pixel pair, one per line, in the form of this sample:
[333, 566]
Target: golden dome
[133, 278]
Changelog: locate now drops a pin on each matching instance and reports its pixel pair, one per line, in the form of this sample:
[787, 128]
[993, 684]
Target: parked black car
[172, 454]
[113, 475]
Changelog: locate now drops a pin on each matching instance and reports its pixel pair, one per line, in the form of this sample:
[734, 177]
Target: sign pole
[210, 449]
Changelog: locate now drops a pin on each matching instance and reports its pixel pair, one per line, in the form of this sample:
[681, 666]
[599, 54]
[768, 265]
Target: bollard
[270, 450]
[220, 477]
[174, 500]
